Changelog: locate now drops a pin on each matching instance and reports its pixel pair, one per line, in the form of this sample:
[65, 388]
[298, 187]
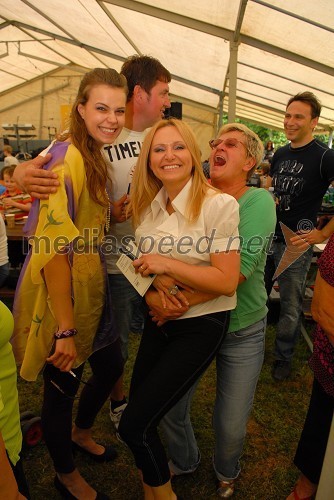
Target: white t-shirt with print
[121, 157]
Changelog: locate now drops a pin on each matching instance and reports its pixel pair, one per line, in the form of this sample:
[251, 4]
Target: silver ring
[142, 268]
[173, 290]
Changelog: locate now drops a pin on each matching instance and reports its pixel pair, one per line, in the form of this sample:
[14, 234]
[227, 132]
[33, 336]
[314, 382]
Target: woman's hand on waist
[171, 290]
[160, 313]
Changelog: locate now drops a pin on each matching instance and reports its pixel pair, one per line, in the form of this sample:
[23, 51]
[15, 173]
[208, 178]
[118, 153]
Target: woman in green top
[12, 480]
[235, 154]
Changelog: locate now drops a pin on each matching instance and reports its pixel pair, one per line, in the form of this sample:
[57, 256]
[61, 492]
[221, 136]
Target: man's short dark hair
[310, 99]
[144, 71]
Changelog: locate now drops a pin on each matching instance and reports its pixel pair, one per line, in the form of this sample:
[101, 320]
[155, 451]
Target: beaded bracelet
[64, 334]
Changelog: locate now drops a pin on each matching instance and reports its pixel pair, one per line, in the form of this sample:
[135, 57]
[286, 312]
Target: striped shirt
[19, 197]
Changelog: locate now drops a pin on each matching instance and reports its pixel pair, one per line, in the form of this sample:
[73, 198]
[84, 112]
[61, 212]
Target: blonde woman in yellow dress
[62, 315]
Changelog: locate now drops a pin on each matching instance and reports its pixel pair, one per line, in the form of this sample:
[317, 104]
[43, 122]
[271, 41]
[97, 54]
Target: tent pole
[41, 110]
[219, 122]
[232, 81]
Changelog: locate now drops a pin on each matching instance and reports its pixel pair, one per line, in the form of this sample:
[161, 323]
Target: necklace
[108, 214]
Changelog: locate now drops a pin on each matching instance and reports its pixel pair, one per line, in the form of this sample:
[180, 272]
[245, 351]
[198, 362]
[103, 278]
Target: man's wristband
[64, 334]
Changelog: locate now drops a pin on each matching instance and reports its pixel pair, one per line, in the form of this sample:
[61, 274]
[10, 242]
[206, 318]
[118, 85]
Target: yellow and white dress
[69, 221]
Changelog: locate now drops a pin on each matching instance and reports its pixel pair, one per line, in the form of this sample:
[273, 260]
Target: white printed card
[124, 264]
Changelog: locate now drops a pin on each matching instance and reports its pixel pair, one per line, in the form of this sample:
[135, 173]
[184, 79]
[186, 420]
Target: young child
[13, 200]
[9, 159]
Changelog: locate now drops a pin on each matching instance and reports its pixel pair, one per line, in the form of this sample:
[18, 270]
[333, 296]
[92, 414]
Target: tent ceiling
[283, 47]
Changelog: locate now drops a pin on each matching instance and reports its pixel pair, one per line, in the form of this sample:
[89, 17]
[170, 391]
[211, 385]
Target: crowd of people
[122, 172]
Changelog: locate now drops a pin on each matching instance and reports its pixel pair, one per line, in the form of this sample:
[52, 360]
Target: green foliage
[275, 136]
[322, 138]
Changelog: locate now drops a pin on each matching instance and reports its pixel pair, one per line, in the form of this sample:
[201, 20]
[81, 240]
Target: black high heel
[67, 495]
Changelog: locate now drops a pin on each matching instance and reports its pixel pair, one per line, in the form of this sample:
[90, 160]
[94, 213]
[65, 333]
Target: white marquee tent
[241, 57]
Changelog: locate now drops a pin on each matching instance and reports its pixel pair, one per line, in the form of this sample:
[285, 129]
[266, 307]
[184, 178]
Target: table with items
[17, 245]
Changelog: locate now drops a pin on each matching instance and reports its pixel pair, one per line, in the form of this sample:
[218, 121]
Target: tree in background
[275, 136]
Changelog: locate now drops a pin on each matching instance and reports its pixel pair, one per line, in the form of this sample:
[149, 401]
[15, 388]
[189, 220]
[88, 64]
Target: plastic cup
[10, 219]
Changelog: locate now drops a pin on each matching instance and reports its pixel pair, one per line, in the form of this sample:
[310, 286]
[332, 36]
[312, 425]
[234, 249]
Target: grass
[267, 469]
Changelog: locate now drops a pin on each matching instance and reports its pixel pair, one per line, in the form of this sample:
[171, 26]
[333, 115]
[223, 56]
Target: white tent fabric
[242, 57]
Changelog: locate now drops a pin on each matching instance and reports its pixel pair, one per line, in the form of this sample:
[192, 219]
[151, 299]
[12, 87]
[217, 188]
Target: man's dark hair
[310, 99]
[144, 71]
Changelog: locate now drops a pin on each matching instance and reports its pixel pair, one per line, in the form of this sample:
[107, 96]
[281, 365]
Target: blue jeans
[169, 361]
[291, 289]
[125, 303]
[239, 363]
[181, 442]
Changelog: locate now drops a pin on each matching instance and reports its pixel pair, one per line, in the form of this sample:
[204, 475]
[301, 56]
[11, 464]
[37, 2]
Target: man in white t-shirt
[148, 98]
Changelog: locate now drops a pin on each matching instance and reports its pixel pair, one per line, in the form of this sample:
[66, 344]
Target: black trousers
[60, 389]
[20, 478]
[269, 272]
[313, 440]
[169, 361]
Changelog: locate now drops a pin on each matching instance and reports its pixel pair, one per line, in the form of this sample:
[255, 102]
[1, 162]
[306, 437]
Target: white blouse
[215, 230]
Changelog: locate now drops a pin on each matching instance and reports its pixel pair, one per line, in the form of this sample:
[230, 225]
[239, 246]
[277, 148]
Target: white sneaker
[116, 413]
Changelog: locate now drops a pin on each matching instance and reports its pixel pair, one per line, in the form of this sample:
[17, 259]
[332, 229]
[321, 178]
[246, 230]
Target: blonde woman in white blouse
[188, 233]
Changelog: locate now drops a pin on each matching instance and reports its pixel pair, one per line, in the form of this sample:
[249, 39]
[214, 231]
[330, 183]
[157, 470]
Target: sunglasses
[63, 392]
[228, 143]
